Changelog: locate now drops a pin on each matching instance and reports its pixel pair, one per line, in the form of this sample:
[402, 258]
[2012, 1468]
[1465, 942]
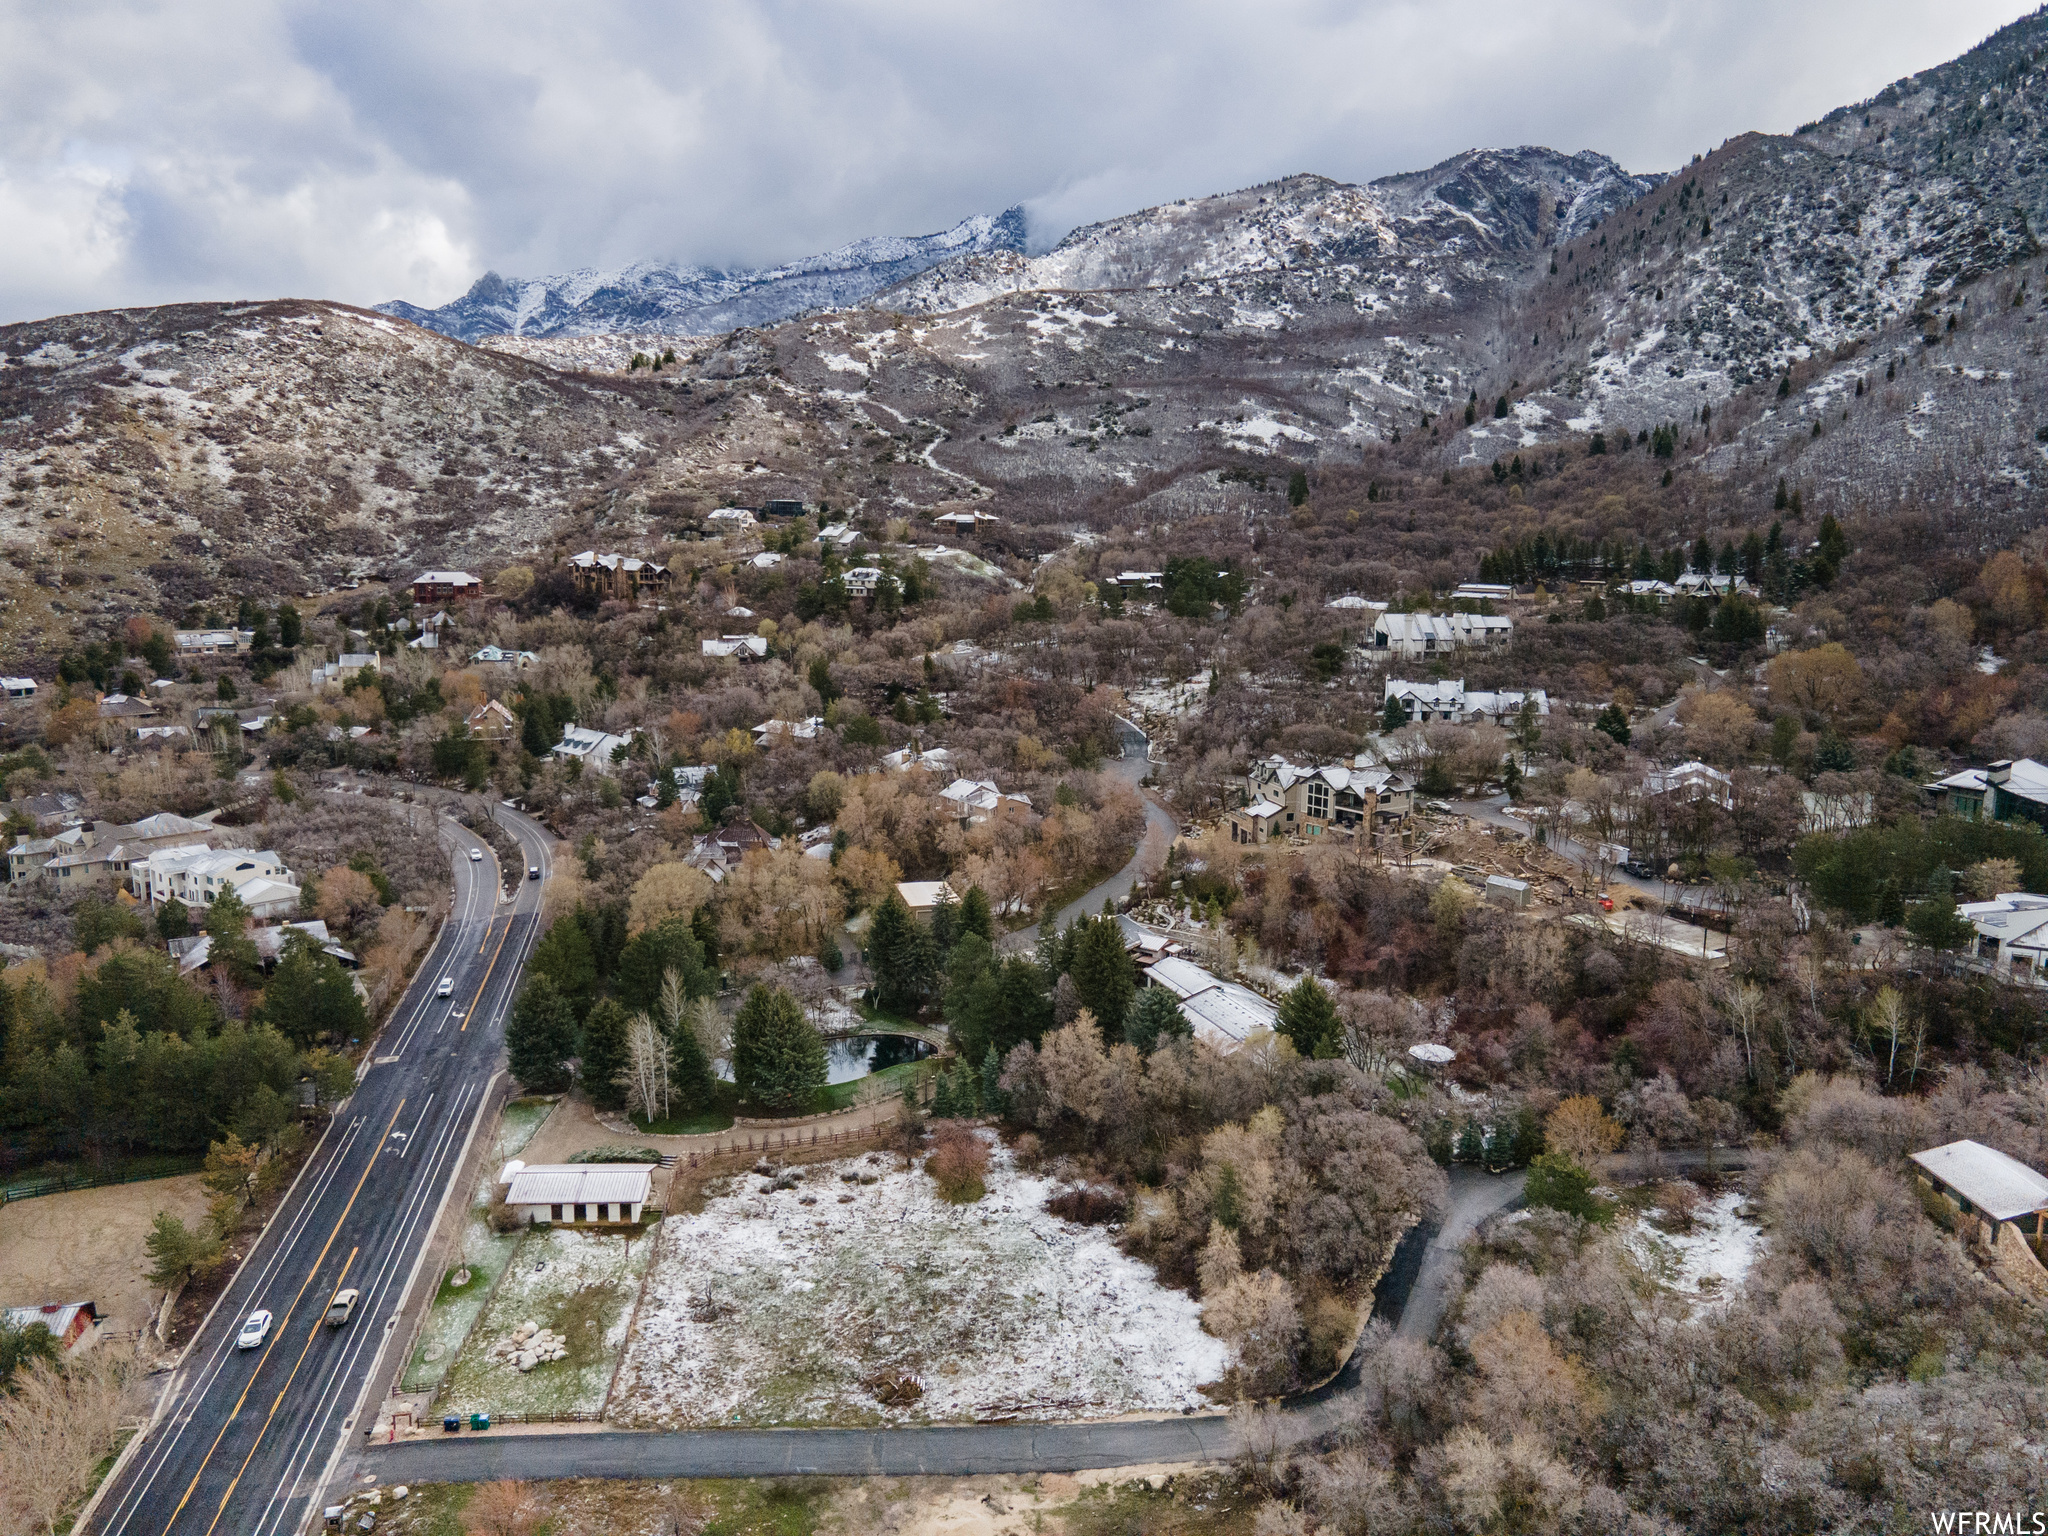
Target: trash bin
[332, 1514]
[479, 1421]
[452, 1424]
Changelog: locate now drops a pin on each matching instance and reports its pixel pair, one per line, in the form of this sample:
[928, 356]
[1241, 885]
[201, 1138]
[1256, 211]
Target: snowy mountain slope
[1472, 207]
[670, 299]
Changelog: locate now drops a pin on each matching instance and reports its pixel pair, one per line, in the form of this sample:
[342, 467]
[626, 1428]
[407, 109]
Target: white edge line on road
[349, 1419]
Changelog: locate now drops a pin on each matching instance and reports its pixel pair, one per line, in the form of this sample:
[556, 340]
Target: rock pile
[531, 1345]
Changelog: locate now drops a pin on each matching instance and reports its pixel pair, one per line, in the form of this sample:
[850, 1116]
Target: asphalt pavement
[242, 1439]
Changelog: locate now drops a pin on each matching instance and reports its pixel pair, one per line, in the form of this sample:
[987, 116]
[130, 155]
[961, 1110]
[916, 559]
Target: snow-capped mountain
[667, 298]
[1471, 207]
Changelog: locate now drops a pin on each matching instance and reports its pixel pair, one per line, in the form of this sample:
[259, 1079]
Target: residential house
[52, 808]
[730, 520]
[2005, 791]
[1658, 592]
[1413, 635]
[1139, 581]
[162, 735]
[1224, 1013]
[782, 510]
[2012, 933]
[210, 642]
[1352, 602]
[195, 875]
[740, 647]
[339, 674]
[68, 1321]
[18, 687]
[90, 853]
[425, 640]
[120, 706]
[593, 749]
[975, 800]
[492, 721]
[1256, 823]
[1482, 592]
[767, 560]
[1329, 798]
[964, 524]
[498, 656]
[1989, 1190]
[1448, 701]
[624, 577]
[840, 535]
[1714, 588]
[861, 580]
[933, 760]
[736, 839]
[446, 587]
[27, 858]
[196, 950]
[1691, 781]
[577, 1194]
[805, 729]
[921, 896]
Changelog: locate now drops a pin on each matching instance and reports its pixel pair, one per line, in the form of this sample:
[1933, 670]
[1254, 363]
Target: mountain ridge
[672, 298]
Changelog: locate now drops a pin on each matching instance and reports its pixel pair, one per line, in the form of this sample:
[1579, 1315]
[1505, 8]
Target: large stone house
[1291, 801]
[624, 577]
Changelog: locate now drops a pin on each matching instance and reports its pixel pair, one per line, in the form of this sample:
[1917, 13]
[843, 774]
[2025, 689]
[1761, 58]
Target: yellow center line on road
[311, 1334]
[467, 1013]
[279, 1333]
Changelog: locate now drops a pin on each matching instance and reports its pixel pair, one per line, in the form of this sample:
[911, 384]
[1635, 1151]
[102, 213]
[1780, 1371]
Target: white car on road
[447, 987]
[254, 1331]
[476, 855]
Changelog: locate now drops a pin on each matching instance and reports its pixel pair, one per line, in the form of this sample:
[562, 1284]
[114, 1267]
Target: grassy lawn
[456, 1307]
[715, 1116]
[889, 1081]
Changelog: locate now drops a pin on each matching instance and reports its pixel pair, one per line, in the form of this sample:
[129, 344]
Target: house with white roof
[840, 535]
[1691, 781]
[934, 760]
[730, 519]
[1413, 635]
[577, 1194]
[975, 800]
[498, 656]
[965, 523]
[2005, 791]
[861, 580]
[1448, 701]
[740, 647]
[17, 687]
[593, 749]
[1223, 1013]
[805, 729]
[923, 895]
[1312, 802]
[1991, 1192]
[195, 875]
[2012, 933]
[210, 642]
[446, 587]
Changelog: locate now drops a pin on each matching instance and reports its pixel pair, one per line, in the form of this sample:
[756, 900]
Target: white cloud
[238, 148]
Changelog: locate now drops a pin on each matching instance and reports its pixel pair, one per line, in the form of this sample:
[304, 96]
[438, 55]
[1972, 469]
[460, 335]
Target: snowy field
[859, 1296]
[1707, 1264]
[576, 1284]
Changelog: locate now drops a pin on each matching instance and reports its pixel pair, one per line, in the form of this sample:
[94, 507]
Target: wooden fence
[789, 1141]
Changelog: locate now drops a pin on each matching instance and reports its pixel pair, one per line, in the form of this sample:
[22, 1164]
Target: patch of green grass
[835, 1096]
[715, 1116]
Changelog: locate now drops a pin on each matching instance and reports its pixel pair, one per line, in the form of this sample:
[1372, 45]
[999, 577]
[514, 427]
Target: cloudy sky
[379, 149]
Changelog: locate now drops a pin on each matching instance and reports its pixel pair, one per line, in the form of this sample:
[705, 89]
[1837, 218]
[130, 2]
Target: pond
[859, 1055]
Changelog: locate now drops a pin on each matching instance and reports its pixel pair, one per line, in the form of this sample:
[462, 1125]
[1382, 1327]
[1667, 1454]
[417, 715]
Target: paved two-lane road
[242, 1438]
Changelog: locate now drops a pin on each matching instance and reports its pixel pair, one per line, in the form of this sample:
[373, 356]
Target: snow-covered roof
[581, 1184]
[1434, 1054]
[1261, 809]
[447, 579]
[736, 645]
[2001, 1187]
[923, 895]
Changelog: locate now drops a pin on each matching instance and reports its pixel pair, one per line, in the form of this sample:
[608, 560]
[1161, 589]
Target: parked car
[342, 1308]
[1640, 868]
[254, 1331]
[447, 987]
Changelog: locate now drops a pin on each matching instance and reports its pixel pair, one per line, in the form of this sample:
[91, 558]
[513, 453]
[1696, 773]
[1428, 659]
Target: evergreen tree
[1500, 407]
[309, 995]
[564, 956]
[900, 954]
[1613, 723]
[1308, 1018]
[945, 924]
[1155, 1018]
[704, 924]
[173, 920]
[1394, 716]
[993, 1100]
[1297, 487]
[975, 916]
[1834, 544]
[1471, 1143]
[1103, 973]
[536, 728]
[691, 1080]
[1834, 755]
[604, 1054]
[943, 1107]
[670, 945]
[540, 1037]
[778, 1059]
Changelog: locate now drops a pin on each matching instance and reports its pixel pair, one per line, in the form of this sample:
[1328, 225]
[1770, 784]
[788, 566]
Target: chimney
[1999, 772]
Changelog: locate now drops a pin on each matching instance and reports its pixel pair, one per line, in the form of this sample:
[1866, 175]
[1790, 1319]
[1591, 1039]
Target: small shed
[68, 1321]
[1501, 891]
[573, 1194]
